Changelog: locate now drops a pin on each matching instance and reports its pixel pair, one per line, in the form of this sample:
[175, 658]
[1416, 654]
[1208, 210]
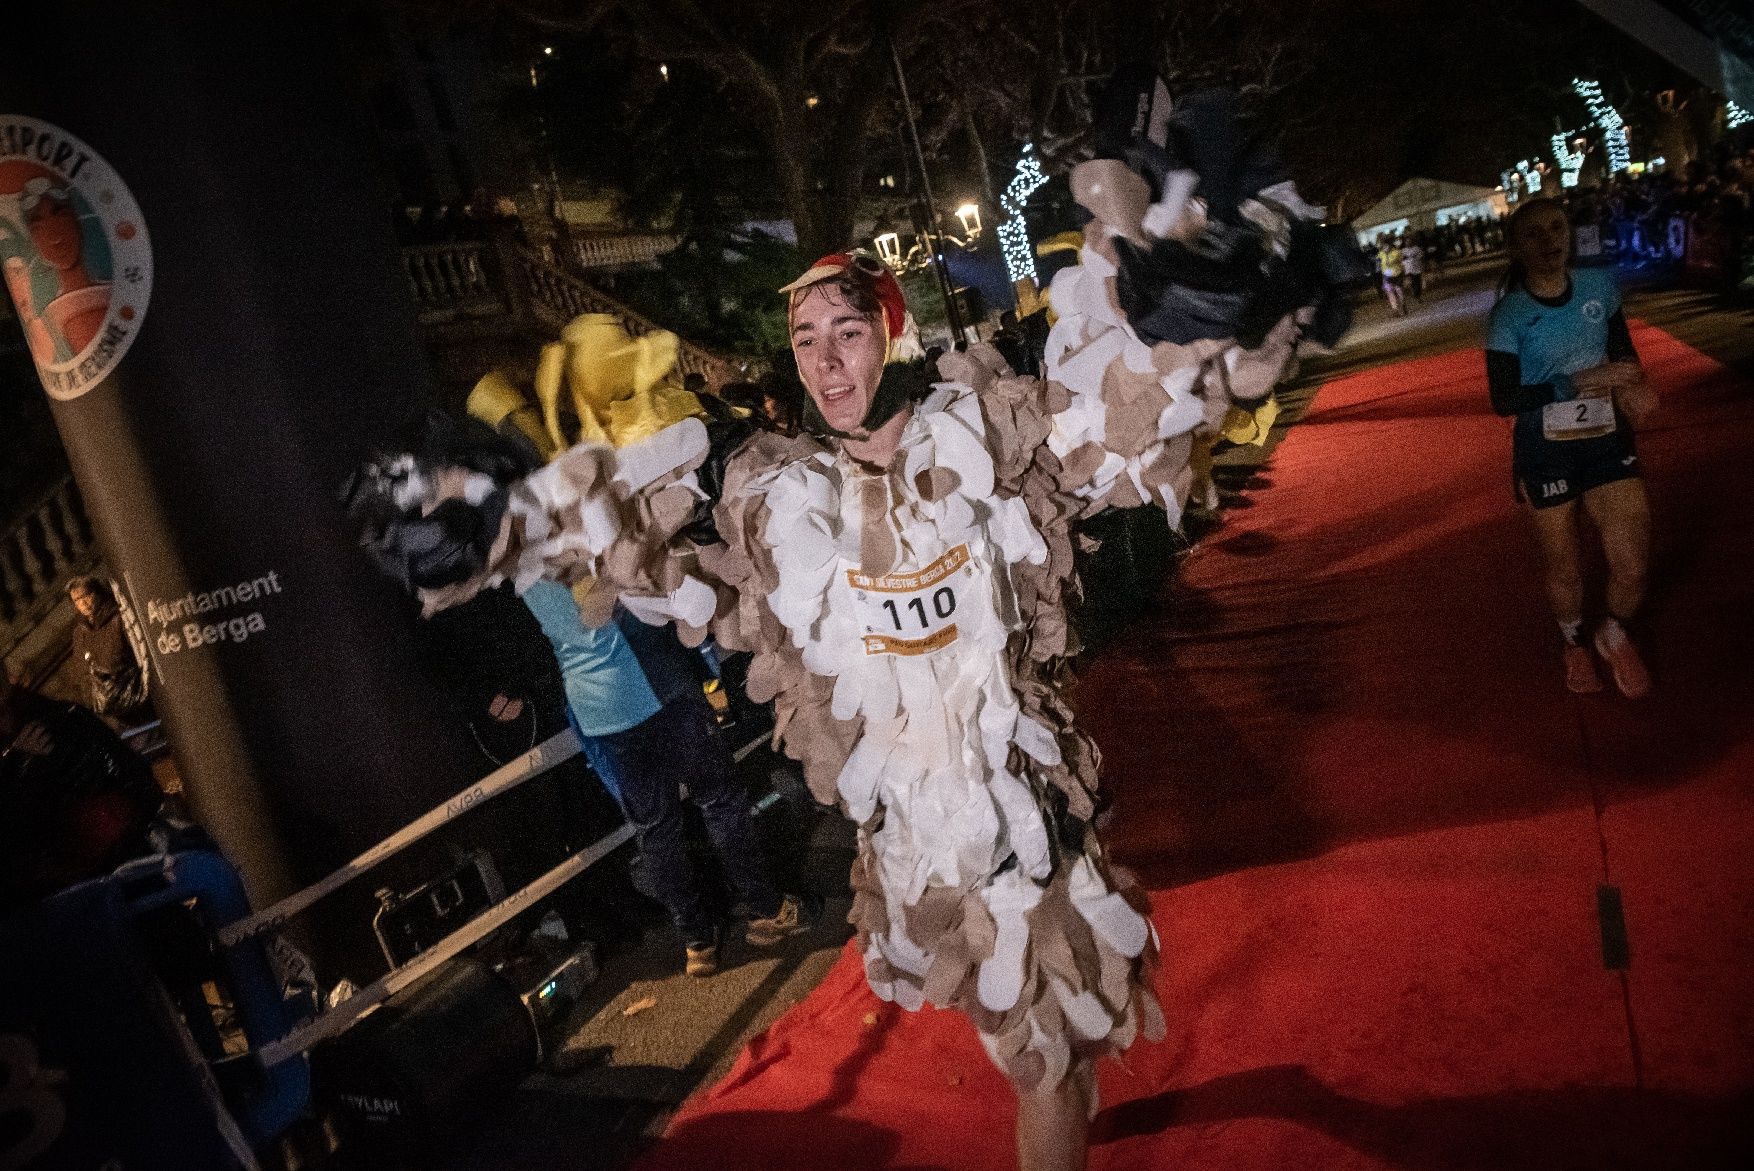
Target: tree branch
[581, 23]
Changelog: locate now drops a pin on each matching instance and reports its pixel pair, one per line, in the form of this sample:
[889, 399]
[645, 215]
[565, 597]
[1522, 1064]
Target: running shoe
[1622, 658]
[793, 918]
[703, 957]
[1580, 670]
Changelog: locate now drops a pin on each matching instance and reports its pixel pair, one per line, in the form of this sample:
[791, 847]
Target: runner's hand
[1606, 378]
[1636, 398]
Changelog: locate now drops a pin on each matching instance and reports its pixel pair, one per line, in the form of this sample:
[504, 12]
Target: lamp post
[542, 135]
[933, 234]
[969, 216]
[889, 250]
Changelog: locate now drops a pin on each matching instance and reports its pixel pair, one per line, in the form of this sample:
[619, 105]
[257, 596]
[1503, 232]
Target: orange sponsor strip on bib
[883, 644]
[905, 583]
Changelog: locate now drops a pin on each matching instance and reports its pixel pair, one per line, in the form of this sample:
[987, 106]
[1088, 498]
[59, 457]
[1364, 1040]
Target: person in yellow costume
[621, 389]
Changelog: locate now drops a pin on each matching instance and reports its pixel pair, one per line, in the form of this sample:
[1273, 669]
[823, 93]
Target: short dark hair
[855, 287]
[97, 587]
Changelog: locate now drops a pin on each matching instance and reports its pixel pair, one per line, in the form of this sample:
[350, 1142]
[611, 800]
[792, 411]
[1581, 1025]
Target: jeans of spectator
[647, 767]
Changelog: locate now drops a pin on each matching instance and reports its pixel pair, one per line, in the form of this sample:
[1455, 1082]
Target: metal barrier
[351, 1011]
[561, 746]
[341, 1017]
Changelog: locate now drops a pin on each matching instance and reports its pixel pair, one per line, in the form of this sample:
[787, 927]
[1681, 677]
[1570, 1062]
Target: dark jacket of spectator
[75, 801]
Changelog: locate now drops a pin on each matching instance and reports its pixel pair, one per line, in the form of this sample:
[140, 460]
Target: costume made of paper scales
[910, 622]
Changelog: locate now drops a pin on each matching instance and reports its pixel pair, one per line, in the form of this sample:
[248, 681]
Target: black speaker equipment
[429, 1061]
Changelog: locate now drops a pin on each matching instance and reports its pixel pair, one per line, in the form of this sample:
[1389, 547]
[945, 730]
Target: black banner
[207, 276]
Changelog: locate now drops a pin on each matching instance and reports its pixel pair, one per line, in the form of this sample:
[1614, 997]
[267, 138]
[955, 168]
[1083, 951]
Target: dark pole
[935, 238]
[547, 146]
[240, 330]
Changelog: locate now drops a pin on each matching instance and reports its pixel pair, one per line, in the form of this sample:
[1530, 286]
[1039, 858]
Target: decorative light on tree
[1531, 177]
[1570, 161]
[1608, 119]
[1735, 116]
[1014, 242]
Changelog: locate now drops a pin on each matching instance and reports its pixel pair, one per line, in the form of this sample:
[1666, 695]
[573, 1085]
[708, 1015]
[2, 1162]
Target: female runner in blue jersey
[1560, 359]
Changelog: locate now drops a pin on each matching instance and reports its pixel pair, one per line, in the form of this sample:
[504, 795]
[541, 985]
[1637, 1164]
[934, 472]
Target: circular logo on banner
[74, 246]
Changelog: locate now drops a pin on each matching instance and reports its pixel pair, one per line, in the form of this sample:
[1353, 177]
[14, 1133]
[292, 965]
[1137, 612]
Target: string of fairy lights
[1569, 146]
[1530, 176]
[1570, 161]
[1608, 120]
[1014, 243]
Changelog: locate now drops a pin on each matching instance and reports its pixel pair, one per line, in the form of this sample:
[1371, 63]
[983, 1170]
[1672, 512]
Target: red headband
[883, 282]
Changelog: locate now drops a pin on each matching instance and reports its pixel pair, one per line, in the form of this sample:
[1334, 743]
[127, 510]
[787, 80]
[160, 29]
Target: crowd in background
[1701, 215]
[1698, 219]
[1401, 259]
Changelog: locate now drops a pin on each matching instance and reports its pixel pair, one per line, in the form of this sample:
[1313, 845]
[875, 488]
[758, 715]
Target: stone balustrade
[621, 248]
[466, 280]
[46, 546]
[557, 297]
[452, 280]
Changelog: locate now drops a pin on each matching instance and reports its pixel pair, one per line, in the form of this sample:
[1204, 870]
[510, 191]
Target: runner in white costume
[904, 585]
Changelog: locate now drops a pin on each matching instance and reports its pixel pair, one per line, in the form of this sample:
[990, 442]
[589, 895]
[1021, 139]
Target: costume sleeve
[614, 515]
[1504, 381]
[1195, 281]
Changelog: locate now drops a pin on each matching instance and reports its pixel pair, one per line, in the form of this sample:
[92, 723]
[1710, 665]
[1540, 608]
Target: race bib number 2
[912, 613]
[1580, 418]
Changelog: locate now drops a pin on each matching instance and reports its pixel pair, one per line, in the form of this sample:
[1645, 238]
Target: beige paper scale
[1135, 411]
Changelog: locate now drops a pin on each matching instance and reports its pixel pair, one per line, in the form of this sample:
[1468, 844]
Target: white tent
[1422, 204]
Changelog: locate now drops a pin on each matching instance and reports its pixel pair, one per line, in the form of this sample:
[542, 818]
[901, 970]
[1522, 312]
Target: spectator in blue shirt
[634, 692]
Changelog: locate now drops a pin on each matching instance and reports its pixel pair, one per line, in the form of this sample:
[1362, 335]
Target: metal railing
[49, 544]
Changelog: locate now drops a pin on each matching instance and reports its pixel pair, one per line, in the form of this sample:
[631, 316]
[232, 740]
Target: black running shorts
[1560, 475]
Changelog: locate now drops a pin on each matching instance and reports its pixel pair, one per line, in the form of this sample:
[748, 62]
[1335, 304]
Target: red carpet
[1376, 827]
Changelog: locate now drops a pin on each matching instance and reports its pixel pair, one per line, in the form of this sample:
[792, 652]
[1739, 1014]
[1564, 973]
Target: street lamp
[542, 133]
[889, 250]
[928, 245]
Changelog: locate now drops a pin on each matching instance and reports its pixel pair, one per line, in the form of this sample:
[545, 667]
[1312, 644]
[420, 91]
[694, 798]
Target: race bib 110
[912, 613]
